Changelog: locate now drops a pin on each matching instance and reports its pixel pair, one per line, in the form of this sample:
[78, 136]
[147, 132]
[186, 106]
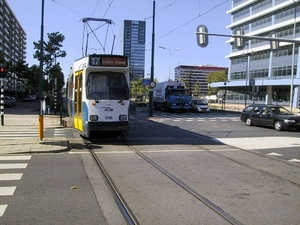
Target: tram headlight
[123, 117]
[93, 118]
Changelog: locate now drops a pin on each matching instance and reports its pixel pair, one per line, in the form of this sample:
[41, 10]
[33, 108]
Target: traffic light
[251, 87]
[239, 42]
[274, 45]
[2, 72]
[202, 36]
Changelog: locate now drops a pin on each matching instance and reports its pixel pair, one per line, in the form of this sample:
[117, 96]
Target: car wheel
[278, 125]
[248, 122]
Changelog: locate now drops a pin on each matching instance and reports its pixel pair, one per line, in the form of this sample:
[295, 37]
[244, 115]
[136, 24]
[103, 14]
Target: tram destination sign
[107, 60]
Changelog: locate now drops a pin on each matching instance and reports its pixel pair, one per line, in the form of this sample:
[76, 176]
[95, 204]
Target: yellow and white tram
[99, 94]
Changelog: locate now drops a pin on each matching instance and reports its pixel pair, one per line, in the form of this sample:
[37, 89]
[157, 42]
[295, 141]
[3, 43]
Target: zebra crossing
[191, 117]
[10, 134]
[7, 166]
[19, 134]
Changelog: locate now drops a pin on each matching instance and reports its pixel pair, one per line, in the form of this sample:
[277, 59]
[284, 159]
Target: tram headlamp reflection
[93, 118]
[123, 117]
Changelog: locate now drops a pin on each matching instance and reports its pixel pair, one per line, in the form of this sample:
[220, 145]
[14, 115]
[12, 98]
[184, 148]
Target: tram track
[128, 214]
[187, 188]
[125, 208]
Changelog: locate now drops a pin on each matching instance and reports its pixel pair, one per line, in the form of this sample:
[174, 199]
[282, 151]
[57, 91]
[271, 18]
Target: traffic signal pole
[246, 37]
[239, 41]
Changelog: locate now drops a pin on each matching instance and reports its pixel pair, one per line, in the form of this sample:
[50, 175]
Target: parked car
[34, 97]
[28, 98]
[274, 116]
[200, 105]
[140, 101]
[13, 100]
[7, 102]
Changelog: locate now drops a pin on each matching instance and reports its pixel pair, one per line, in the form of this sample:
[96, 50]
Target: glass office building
[276, 73]
[133, 45]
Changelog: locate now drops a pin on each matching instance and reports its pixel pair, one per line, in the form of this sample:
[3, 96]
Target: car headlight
[123, 117]
[289, 121]
[93, 118]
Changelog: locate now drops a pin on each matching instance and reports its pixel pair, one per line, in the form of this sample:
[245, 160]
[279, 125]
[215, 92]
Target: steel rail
[123, 206]
[187, 188]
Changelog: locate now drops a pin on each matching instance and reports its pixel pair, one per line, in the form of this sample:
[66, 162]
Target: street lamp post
[170, 59]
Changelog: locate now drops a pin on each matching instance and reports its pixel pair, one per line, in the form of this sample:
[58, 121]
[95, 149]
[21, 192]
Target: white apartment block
[12, 46]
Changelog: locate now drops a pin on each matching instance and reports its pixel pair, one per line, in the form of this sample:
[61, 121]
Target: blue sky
[175, 26]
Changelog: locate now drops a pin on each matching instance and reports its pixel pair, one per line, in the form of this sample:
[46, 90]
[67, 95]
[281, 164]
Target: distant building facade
[133, 45]
[195, 77]
[12, 46]
[276, 74]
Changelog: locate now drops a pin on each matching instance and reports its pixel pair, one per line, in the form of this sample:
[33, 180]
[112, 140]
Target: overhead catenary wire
[191, 20]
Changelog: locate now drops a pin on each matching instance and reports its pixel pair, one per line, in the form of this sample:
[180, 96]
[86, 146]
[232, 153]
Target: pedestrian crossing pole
[55, 94]
[2, 102]
[299, 101]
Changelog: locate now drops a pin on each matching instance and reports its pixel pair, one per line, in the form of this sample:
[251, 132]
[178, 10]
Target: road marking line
[294, 160]
[15, 157]
[4, 191]
[2, 209]
[13, 165]
[274, 154]
[11, 176]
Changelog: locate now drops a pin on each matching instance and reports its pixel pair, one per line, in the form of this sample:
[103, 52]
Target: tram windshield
[107, 85]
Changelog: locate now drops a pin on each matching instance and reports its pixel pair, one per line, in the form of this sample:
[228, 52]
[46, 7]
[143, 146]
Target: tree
[217, 76]
[138, 88]
[52, 51]
[31, 79]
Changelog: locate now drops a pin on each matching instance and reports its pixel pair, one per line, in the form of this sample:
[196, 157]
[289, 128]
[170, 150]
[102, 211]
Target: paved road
[227, 128]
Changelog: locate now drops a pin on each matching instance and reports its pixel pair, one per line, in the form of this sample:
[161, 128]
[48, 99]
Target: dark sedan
[274, 116]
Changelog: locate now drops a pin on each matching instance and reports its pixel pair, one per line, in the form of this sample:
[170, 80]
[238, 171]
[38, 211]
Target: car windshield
[177, 92]
[200, 102]
[280, 110]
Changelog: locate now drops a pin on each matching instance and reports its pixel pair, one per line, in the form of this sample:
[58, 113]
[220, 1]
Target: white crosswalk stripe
[9, 134]
[59, 133]
[16, 163]
[190, 117]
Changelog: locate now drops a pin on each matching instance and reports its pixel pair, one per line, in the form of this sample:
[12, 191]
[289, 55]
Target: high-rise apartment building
[133, 45]
[12, 45]
[276, 73]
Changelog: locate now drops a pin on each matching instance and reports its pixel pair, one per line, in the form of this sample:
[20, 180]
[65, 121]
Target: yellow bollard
[41, 127]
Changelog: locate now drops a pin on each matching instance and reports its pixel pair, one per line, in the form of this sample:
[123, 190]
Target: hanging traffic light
[2, 72]
[274, 45]
[202, 36]
[239, 42]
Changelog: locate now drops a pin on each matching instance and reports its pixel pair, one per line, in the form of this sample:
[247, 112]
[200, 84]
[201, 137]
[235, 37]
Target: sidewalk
[26, 123]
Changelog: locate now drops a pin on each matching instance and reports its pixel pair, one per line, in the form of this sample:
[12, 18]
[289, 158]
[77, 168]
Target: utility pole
[41, 77]
[152, 64]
